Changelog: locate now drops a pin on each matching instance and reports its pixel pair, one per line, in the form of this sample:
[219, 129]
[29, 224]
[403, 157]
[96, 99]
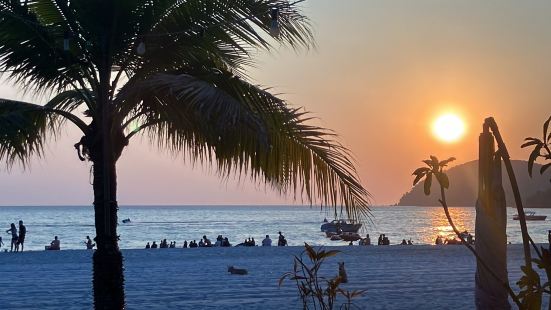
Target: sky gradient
[381, 73]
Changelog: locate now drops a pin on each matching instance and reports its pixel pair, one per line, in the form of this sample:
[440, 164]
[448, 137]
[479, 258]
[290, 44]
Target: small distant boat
[341, 226]
[531, 216]
[126, 221]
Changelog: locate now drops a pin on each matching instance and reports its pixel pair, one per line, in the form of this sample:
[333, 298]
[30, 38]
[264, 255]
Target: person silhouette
[281, 240]
[147, 246]
[13, 231]
[55, 245]
[22, 234]
[89, 244]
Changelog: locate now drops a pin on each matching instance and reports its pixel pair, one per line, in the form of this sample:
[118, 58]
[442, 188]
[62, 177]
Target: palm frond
[32, 46]
[178, 32]
[25, 127]
[243, 129]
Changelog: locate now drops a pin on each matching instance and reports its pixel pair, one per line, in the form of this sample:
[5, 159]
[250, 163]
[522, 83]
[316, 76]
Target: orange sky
[382, 72]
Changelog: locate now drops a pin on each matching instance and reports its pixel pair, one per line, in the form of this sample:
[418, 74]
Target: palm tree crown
[176, 72]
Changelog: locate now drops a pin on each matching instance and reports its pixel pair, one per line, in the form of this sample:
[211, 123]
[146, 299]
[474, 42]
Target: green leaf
[446, 162]
[434, 160]
[428, 184]
[421, 170]
[531, 142]
[443, 179]
[418, 178]
[533, 156]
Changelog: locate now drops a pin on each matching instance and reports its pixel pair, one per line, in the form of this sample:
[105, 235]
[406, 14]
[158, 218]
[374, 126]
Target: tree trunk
[108, 281]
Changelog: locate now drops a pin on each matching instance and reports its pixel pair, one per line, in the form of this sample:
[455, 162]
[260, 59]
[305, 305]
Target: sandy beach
[396, 277]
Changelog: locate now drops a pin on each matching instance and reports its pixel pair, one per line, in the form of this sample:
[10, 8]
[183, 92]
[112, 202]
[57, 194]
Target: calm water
[299, 224]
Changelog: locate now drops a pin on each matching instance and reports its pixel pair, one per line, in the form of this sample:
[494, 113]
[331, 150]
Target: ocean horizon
[299, 223]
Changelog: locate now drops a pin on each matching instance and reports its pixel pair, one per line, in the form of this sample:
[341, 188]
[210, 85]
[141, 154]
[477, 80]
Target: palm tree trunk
[108, 278]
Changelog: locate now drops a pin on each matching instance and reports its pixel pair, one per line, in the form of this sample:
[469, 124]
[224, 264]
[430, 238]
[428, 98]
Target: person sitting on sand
[185, 244]
[173, 245]
[55, 245]
[201, 243]
[226, 242]
[386, 241]
[439, 240]
[154, 245]
[89, 244]
[219, 241]
[404, 242]
[193, 244]
[206, 241]
[147, 246]
[267, 241]
[410, 242]
[366, 240]
[13, 231]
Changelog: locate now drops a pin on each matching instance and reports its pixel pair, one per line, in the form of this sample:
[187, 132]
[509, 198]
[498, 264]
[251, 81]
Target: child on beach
[13, 231]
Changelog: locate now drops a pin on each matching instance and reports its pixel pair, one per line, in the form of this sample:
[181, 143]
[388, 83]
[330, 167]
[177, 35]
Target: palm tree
[174, 71]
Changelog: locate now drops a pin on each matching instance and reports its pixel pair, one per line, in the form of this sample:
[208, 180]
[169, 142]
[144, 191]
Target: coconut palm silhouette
[175, 72]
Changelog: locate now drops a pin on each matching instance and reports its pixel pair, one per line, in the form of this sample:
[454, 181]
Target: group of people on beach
[383, 240]
[17, 240]
[220, 242]
[465, 235]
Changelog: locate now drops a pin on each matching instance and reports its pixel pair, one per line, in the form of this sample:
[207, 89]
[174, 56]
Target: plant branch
[478, 258]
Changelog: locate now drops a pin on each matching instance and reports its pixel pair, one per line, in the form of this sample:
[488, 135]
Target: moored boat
[341, 226]
[350, 236]
[531, 216]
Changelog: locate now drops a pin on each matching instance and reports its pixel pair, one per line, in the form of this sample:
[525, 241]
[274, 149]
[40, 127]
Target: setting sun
[448, 127]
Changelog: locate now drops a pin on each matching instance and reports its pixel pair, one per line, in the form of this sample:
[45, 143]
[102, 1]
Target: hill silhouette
[463, 191]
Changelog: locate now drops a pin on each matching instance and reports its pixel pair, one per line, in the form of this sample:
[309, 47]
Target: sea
[299, 224]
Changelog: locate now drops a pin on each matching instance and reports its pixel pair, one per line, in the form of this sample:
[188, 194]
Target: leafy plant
[530, 277]
[436, 168]
[318, 292]
[541, 149]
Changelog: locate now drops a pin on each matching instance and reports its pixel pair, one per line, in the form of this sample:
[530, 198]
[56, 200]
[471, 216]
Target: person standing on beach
[22, 234]
[14, 237]
[281, 240]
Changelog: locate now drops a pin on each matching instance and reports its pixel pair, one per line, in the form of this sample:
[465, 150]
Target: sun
[448, 128]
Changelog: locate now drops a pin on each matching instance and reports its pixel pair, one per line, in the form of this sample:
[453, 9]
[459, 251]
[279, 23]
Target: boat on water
[531, 216]
[337, 226]
[125, 221]
[350, 236]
